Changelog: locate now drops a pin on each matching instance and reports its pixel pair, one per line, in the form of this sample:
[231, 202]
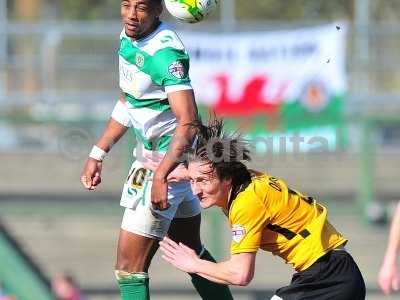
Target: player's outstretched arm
[239, 270]
[115, 129]
[389, 278]
[184, 108]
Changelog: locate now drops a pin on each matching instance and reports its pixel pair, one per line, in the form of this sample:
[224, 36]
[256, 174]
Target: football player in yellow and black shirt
[264, 213]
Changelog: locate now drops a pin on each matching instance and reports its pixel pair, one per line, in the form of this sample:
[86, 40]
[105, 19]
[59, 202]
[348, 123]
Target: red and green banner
[291, 79]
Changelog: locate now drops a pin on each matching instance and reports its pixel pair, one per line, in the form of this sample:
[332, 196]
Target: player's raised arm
[115, 129]
[184, 108]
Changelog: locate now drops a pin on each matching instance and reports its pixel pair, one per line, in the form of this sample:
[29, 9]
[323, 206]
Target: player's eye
[142, 7]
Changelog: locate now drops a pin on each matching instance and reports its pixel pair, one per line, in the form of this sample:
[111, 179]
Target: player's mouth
[132, 26]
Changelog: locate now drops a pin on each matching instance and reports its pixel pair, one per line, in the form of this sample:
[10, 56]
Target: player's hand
[151, 162]
[159, 192]
[91, 174]
[179, 255]
[180, 173]
[389, 278]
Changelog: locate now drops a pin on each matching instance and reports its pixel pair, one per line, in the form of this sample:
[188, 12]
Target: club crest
[139, 60]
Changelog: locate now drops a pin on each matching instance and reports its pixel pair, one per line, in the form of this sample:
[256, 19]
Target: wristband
[97, 153]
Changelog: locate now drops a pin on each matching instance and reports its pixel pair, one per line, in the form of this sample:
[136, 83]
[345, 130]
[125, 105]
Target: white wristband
[97, 153]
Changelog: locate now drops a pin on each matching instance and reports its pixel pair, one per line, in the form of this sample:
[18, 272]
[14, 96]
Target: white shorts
[140, 218]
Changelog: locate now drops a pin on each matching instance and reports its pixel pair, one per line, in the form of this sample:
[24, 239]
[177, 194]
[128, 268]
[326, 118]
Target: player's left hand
[179, 255]
[159, 192]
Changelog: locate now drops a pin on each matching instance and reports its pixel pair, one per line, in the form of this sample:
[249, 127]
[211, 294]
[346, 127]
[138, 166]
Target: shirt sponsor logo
[177, 69]
[125, 72]
[238, 233]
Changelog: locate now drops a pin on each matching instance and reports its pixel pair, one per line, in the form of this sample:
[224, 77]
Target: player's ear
[159, 9]
[227, 183]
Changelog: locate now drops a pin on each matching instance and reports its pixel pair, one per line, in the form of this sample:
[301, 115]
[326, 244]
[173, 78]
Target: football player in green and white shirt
[157, 102]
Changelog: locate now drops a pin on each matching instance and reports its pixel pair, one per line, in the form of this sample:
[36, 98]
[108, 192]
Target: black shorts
[334, 276]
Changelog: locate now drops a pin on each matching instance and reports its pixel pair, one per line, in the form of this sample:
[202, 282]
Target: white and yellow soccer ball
[190, 11]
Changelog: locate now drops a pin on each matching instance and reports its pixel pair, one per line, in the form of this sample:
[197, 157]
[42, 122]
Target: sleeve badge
[238, 233]
[177, 69]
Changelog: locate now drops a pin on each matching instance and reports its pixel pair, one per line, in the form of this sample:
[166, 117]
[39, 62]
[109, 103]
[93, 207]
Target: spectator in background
[389, 275]
[65, 288]
[4, 295]
[7, 297]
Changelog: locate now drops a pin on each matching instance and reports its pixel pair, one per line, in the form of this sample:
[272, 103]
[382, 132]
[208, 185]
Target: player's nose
[132, 13]
[195, 188]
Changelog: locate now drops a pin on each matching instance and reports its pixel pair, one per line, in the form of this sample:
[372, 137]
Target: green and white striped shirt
[149, 69]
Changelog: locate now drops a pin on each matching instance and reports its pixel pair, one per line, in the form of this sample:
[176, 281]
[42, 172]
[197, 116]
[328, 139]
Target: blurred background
[314, 85]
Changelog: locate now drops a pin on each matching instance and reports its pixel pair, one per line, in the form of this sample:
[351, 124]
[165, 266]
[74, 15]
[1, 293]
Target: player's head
[215, 164]
[140, 17]
[64, 287]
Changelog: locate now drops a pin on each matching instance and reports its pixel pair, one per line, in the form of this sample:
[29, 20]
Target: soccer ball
[190, 11]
